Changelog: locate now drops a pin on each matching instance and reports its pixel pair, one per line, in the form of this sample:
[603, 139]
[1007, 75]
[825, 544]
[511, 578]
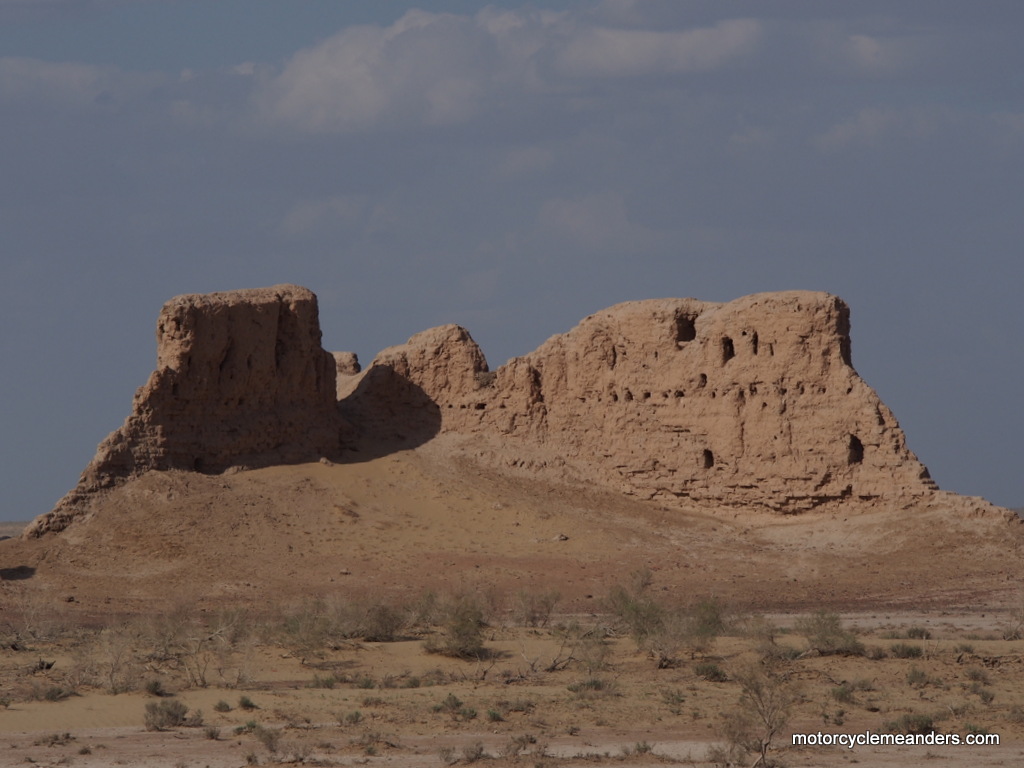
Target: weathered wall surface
[241, 379]
[753, 403]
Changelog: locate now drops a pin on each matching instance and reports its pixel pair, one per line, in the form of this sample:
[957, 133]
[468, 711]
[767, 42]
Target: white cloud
[424, 67]
[873, 125]
[603, 52]
[883, 55]
[597, 222]
[442, 69]
[62, 81]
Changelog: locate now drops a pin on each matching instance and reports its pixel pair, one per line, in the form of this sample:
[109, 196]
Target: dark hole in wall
[709, 459]
[685, 328]
[855, 452]
[728, 349]
[754, 343]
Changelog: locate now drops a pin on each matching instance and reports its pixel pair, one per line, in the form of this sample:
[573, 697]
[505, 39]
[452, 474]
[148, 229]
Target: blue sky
[511, 168]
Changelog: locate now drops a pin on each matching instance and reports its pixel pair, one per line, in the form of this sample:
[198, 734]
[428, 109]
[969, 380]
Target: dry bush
[662, 631]
[826, 635]
[636, 610]
[766, 700]
[534, 609]
[161, 715]
[460, 628]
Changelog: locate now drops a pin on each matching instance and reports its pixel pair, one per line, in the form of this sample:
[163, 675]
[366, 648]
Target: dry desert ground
[411, 611]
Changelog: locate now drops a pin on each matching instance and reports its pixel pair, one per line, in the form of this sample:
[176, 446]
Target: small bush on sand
[533, 609]
[826, 635]
[461, 633]
[161, 715]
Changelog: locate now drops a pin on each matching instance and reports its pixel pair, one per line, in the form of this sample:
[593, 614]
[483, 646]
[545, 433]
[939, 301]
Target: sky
[511, 168]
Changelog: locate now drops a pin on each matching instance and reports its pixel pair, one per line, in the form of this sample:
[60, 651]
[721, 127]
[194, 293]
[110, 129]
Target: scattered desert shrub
[517, 745]
[911, 723]
[383, 623]
[352, 718]
[161, 715]
[674, 699]
[906, 651]
[585, 645]
[1014, 629]
[212, 732]
[593, 687]
[472, 753]
[453, 706]
[533, 609]
[52, 692]
[659, 630]
[461, 634]
[765, 635]
[917, 677]
[637, 610]
[982, 693]
[244, 702]
[761, 713]
[843, 693]
[978, 675]
[710, 672]
[918, 633]
[826, 635]
[328, 682]
[270, 738]
[54, 740]
[222, 706]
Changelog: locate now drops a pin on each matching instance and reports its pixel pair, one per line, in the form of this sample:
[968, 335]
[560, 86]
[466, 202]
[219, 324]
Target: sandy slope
[412, 519]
